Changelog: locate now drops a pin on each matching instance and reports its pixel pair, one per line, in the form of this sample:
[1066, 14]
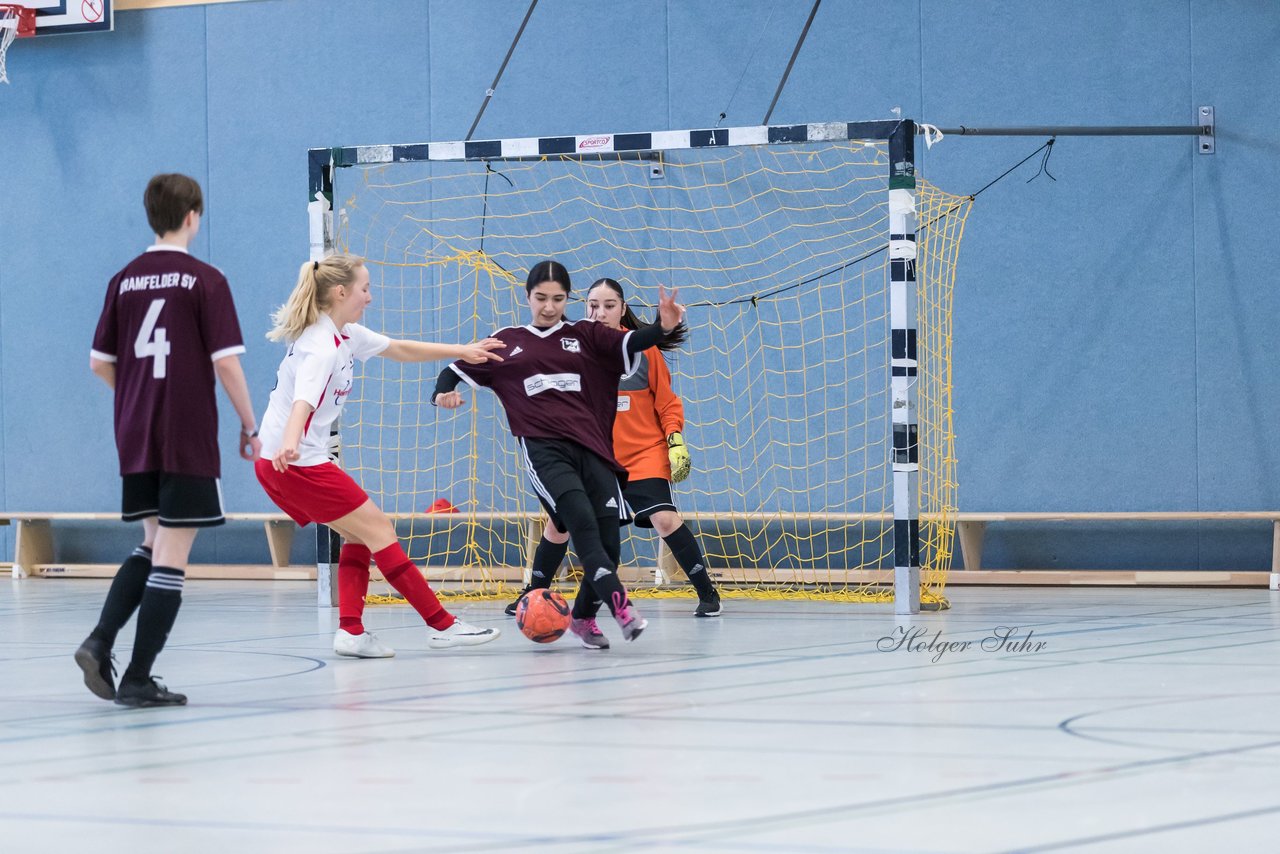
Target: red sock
[405, 578]
[353, 585]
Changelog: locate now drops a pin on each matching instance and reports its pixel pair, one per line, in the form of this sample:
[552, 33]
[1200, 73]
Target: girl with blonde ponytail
[320, 322]
[312, 295]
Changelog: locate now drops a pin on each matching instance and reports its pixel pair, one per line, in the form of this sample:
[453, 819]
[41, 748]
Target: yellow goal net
[781, 250]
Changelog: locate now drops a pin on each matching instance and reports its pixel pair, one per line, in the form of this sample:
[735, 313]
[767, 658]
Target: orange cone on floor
[441, 505]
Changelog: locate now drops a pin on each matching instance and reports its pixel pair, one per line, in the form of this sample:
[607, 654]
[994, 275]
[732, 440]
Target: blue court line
[509, 725]
[387, 704]
[376, 830]
[737, 827]
[1197, 649]
[382, 707]
[1147, 831]
[1068, 777]
[687, 670]
[1067, 725]
[632, 676]
[379, 706]
[731, 827]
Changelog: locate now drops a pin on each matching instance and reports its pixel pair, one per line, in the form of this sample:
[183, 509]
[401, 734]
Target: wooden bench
[34, 550]
[971, 528]
[35, 533]
[34, 547]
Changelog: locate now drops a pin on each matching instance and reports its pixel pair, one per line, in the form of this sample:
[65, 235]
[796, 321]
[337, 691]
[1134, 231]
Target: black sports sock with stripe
[547, 558]
[124, 596]
[684, 546]
[156, 615]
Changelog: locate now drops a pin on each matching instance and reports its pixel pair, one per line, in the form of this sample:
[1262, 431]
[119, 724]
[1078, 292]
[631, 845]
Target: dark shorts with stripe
[648, 496]
[180, 500]
[556, 466]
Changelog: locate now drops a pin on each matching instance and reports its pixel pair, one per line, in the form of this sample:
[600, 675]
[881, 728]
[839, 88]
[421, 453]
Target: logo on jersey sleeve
[538, 383]
[624, 403]
[573, 345]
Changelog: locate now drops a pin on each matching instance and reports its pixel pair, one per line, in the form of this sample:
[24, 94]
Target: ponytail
[312, 294]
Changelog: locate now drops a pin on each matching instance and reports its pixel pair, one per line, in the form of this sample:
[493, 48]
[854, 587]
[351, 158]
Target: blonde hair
[313, 294]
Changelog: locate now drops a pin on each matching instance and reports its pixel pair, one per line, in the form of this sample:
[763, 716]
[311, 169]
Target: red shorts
[311, 493]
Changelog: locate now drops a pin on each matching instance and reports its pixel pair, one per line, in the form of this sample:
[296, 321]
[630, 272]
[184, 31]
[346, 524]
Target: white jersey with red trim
[318, 369]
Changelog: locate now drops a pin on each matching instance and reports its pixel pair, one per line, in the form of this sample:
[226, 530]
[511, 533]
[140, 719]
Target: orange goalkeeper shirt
[648, 412]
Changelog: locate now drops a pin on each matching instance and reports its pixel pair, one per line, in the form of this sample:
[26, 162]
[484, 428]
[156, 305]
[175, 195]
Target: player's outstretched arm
[445, 395]
[402, 350]
[231, 375]
[670, 314]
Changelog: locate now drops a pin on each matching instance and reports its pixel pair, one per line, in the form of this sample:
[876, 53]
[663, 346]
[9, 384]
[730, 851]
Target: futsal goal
[818, 271]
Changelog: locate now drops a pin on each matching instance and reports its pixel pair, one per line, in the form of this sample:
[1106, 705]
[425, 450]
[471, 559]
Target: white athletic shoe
[360, 646]
[462, 634]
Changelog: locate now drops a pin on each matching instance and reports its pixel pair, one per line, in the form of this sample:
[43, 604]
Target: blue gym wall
[1113, 343]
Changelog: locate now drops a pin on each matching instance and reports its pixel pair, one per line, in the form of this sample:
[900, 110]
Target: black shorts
[556, 466]
[648, 496]
[181, 501]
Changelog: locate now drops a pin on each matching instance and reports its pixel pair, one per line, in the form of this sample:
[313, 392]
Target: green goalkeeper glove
[679, 454]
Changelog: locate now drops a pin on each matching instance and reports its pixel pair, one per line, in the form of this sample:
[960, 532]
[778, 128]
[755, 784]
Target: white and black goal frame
[900, 135]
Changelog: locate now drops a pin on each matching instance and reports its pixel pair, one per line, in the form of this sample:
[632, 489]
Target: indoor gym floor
[1146, 721]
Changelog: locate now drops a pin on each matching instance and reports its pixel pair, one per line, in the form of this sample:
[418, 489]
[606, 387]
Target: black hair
[547, 271]
[673, 339]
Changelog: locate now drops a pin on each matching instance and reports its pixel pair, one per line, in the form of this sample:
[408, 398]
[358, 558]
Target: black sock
[585, 604]
[611, 541]
[546, 562]
[599, 585]
[159, 609]
[592, 540]
[124, 596]
[684, 546]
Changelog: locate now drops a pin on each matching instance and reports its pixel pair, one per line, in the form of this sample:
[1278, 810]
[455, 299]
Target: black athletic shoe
[708, 607]
[94, 658]
[511, 609]
[144, 694]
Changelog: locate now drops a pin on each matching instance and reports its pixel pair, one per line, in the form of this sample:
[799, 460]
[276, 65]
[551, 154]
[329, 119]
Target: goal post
[904, 368]
[818, 270]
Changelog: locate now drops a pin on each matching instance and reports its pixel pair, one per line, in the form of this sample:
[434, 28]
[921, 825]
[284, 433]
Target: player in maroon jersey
[648, 439]
[168, 328]
[559, 387]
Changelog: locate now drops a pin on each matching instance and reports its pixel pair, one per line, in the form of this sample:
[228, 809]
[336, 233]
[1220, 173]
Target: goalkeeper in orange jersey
[648, 440]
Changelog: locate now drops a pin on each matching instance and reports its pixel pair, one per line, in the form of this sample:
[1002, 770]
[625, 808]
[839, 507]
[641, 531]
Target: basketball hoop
[15, 22]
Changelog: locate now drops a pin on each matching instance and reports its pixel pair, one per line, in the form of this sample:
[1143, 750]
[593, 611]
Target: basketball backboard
[54, 17]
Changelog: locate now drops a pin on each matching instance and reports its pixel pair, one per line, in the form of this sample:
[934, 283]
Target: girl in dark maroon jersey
[559, 387]
[648, 439]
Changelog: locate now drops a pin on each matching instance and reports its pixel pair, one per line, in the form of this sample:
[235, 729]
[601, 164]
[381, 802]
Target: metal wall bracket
[1204, 118]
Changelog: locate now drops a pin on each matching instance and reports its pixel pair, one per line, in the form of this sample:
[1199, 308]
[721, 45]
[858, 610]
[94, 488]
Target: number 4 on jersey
[151, 341]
